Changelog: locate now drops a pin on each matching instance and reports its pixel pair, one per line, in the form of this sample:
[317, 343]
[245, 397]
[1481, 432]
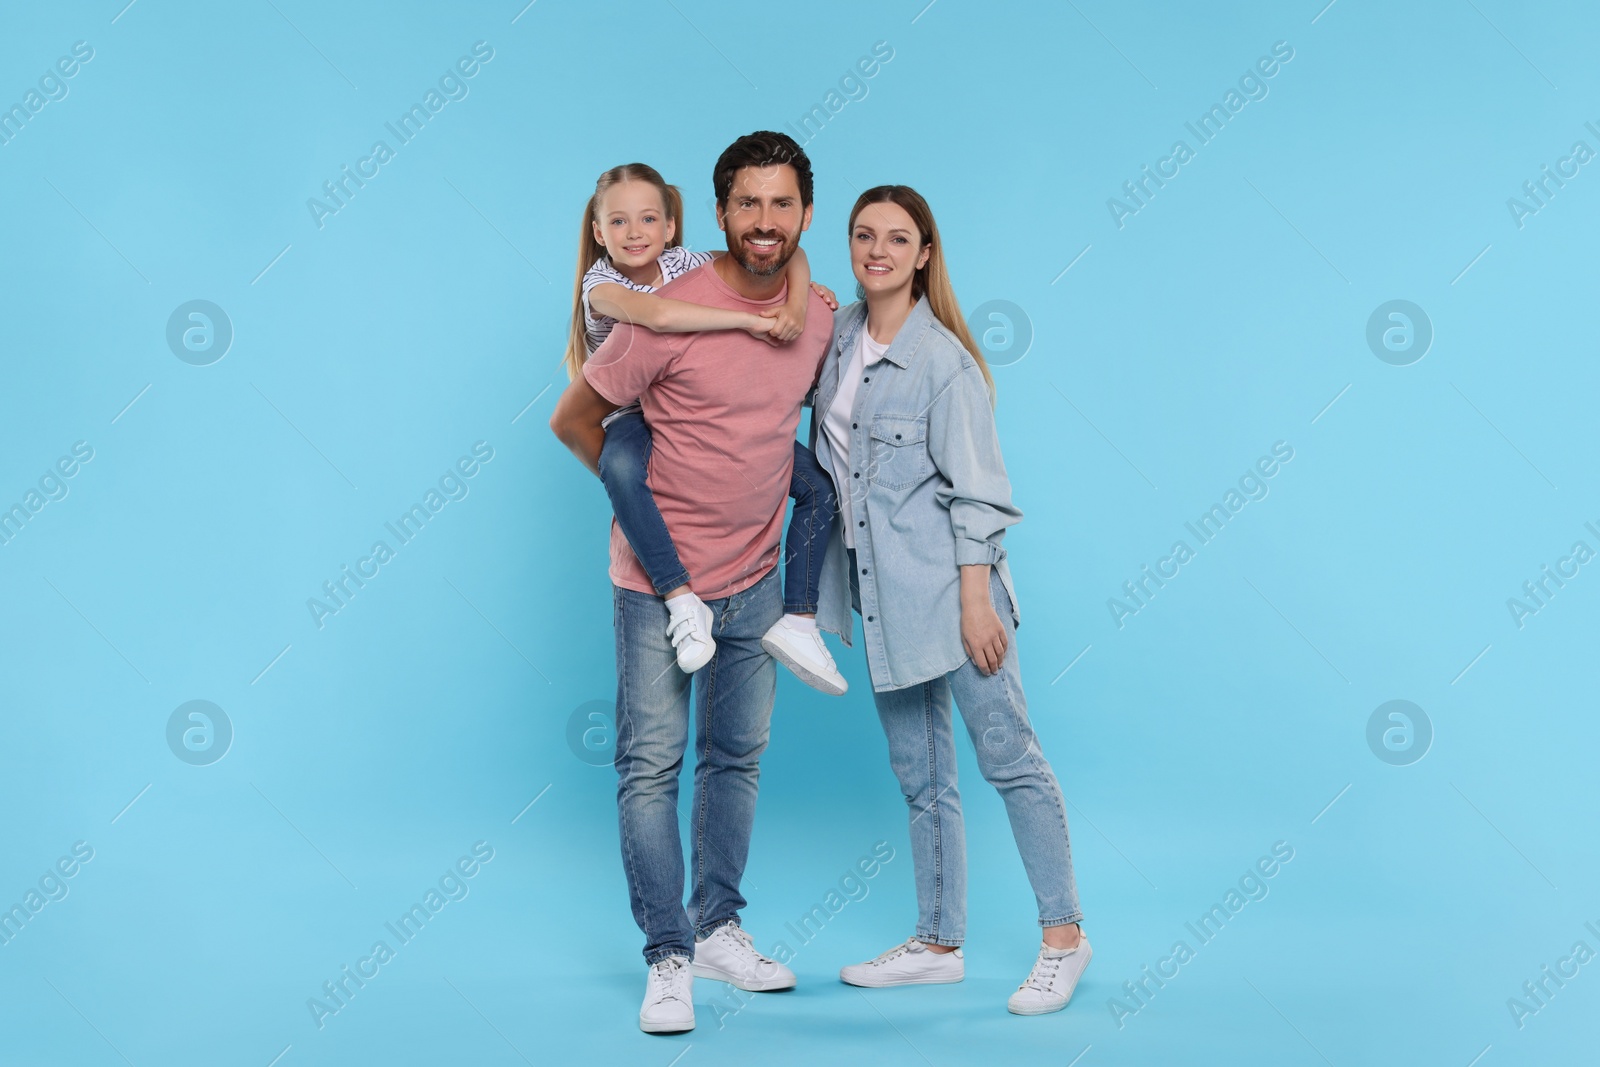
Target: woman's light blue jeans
[917, 722]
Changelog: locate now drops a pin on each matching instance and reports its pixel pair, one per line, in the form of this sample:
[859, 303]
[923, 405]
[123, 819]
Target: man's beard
[768, 265]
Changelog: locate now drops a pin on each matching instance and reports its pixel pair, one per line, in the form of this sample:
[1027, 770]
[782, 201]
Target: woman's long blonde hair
[589, 249]
[931, 279]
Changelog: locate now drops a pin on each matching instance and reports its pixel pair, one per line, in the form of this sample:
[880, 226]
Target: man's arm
[576, 422]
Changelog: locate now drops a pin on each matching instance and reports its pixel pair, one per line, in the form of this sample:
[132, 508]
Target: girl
[904, 418]
[630, 246]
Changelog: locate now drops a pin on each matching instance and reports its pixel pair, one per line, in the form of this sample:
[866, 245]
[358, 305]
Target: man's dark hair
[761, 149]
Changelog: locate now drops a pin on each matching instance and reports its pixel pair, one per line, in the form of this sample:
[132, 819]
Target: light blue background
[429, 314]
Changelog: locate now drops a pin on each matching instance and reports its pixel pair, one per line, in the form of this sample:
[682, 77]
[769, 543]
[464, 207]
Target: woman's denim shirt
[928, 492]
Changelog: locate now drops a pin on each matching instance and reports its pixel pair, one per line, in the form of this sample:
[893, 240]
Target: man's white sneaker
[729, 955]
[1050, 984]
[689, 628]
[803, 652]
[668, 997]
[911, 963]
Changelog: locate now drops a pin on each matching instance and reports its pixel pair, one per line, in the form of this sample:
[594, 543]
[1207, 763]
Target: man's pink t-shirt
[722, 408]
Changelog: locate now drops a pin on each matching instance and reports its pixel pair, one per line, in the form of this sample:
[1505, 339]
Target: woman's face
[632, 223]
[886, 249]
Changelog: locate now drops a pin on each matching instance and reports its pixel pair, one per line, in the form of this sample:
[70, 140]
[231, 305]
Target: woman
[904, 421]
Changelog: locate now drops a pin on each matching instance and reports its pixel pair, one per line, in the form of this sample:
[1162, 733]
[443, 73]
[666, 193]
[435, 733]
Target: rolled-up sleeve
[965, 447]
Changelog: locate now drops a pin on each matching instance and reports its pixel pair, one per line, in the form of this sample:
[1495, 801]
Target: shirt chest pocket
[899, 450]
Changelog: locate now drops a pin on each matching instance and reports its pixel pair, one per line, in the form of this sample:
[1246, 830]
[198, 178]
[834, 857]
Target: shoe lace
[667, 977]
[894, 953]
[743, 943]
[1043, 975]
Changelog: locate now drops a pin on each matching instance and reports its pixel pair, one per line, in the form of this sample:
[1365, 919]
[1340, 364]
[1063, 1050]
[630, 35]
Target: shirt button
[868, 378]
[869, 618]
[855, 426]
[863, 522]
[863, 570]
[858, 474]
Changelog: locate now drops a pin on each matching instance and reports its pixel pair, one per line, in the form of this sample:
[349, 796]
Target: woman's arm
[964, 446]
[982, 634]
[665, 315]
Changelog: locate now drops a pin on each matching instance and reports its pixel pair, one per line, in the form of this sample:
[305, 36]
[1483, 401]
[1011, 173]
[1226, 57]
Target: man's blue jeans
[733, 698]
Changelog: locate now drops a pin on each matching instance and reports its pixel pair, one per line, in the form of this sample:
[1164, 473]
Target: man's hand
[576, 421]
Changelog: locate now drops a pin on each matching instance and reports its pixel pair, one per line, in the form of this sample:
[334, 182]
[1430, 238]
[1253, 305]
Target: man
[723, 409]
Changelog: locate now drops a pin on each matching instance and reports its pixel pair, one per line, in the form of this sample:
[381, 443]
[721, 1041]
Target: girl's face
[632, 223]
[885, 249]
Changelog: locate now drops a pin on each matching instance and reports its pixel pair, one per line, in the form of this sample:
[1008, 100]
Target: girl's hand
[827, 296]
[761, 326]
[787, 324]
[982, 635]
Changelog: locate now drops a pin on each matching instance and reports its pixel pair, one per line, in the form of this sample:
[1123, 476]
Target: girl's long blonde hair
[589, 249]
[931, 279]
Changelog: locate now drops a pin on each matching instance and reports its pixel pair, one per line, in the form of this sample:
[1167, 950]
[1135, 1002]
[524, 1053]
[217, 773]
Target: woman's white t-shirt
[836, 426]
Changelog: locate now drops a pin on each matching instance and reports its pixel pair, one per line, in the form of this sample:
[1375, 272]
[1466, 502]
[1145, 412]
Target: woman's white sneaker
[804, 653]
[729, 955]
[1049, 985]
[911, 963]
[668, 997]
[689, 630]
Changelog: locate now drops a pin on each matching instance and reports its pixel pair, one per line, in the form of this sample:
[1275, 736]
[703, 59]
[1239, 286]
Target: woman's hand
[982, 635]
[827, 296]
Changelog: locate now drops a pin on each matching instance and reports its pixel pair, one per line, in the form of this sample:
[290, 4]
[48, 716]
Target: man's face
[763, 218]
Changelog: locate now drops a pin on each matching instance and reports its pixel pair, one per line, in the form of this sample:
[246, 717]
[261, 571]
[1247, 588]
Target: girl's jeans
[624, 464]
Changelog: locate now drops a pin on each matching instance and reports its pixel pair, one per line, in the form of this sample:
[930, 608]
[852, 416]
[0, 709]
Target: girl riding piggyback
[630, 246]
